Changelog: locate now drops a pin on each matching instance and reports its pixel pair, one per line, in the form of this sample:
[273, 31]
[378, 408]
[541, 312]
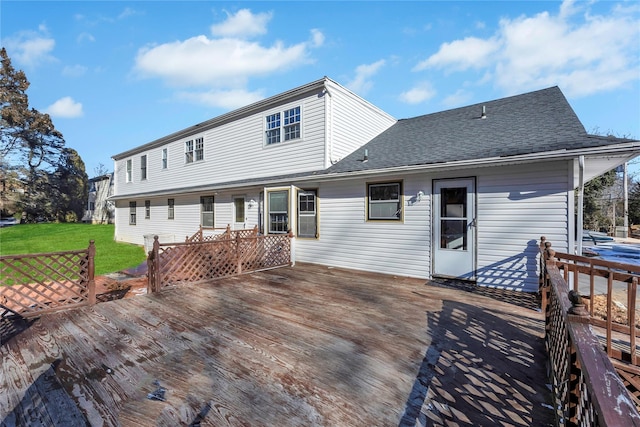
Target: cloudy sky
[117, 74]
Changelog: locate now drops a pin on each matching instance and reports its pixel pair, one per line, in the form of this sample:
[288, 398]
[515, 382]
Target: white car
[5, 222]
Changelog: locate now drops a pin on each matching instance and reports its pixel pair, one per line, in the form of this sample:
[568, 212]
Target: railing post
[238, 256]
[91, 272]
[153, 267]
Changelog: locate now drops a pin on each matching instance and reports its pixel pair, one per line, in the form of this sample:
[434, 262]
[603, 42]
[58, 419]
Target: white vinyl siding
[348, 240]
[331, 126]
[516, 205]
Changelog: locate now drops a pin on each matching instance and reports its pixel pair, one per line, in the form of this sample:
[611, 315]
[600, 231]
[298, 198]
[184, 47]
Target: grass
[41, 238]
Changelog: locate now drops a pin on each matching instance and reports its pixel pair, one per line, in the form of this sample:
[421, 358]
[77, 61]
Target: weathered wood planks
[308, 345]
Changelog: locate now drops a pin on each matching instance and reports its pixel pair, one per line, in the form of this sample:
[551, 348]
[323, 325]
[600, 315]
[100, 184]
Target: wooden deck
[301, 346]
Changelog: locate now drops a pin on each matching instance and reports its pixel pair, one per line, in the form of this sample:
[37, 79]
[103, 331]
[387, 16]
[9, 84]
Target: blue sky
[117, 74]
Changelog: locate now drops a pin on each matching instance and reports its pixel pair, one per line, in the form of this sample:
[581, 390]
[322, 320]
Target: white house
[464, 193]
[100, 209]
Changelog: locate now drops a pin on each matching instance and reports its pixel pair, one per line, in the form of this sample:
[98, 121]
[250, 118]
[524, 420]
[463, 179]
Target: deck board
[307, 345]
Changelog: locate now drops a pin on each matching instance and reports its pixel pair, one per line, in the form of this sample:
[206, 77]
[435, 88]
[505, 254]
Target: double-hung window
[164, 158]
[147, 209]
[283, 126]
[384, 201]
[206, 211]
[129, 166]
[273, 129]
[292, 124]
[132, 213]
[188, 151]
[307, 214]
[199, 149]
[194, 152]
[143, 167]
[278, 211]
[171, 203]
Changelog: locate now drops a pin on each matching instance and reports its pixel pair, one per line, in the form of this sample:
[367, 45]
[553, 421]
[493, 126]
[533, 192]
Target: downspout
[328, 128]
[580, 224]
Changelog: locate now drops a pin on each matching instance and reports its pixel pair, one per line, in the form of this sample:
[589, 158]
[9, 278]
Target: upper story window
[164, 158]
[384, 201]
[194, 152]
[147, 209]
[128, 178]
[285, 129]
[143, 167]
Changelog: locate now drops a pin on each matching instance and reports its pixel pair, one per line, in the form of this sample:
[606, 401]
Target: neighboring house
[463, 193]
[100, 210]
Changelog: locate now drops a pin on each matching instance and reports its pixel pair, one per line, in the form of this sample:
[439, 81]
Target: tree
[30, 144]
[594, 217]
[70, 187]
[634, 203]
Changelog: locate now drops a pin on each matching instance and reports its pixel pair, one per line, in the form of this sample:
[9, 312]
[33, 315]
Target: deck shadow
[482, 368]
[46, 401]
[528, 300]
[11, 326]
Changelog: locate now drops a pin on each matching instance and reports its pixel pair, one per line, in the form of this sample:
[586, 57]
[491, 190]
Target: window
[273, 129]
[278, 211]
[170, 208]
[188, 152]
[191, 154]
[292, 124]
[307, 215]
[132, 213]
[164, 158]
[239, 208]
[128, 170]
[289, 126]
[92, 206]
[199, 149]
[206, 210]
[384, 201]
[147, 209]
[143, 167]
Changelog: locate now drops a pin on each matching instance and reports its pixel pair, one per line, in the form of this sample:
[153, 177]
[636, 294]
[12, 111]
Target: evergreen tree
[634, 203]
[594, 217]
[54, 177]
[70, 185]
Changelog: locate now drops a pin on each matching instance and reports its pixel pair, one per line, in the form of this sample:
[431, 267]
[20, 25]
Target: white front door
[454, 250]
[239, 222]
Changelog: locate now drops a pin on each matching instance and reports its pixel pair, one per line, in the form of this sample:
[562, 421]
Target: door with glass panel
[454, 228]
[239, 221]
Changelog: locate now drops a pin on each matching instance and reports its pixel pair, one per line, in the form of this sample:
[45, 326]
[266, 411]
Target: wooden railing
[219, 233]
[35, 284]
[587, 388]
[229, 254]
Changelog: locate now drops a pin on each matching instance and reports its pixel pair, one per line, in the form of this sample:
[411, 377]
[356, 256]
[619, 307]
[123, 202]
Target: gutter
[322, 175]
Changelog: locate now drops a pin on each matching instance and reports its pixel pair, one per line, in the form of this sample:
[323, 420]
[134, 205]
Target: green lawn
[41, 238]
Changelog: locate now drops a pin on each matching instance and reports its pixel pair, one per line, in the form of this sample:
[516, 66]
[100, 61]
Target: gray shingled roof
[534, 122]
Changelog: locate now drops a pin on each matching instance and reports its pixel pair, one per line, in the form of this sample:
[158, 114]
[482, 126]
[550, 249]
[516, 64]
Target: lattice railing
[586, 386]
[237, 252]
[217, 234]
[35, 284]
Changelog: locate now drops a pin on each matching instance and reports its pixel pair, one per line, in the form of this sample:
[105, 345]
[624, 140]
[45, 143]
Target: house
[100, 209]
[463, 193]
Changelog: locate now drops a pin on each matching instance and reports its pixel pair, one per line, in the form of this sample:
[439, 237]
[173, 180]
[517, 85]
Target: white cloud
[65, 108]
[219, 62]
[420, 93]
[84, 36]
[242, 24]
[74, 70]
[226, 99]
[459, 98]
[362, 83]
[30, 48]
[582, 52]
[460, 55]
[317, 38]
